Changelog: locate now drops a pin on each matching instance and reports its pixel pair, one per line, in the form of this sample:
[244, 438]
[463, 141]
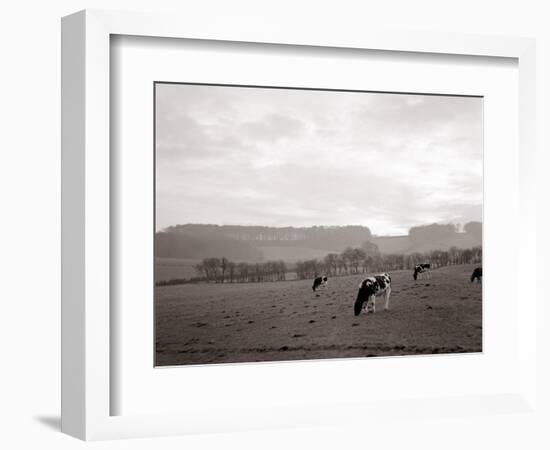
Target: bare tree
[223, 266]
[347, 256]
[281, 266]
[199, 270]
[242, 269]
[357, 256]
[331, 263]
[231, 268]
[366, 257]
[211, 267]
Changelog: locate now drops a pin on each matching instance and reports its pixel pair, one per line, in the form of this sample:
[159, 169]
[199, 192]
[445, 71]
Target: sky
[286, 157]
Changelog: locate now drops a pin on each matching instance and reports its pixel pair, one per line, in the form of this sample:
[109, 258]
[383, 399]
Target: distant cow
[476, 274]
[319, 282]
[369, 289]
[422, 268]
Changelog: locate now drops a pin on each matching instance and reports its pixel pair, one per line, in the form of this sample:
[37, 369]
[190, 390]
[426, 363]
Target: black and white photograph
[299, 224]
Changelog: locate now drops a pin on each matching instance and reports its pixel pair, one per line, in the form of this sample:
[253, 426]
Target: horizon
[459, 226]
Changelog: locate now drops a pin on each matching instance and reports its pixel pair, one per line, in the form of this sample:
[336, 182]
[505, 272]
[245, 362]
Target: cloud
[290, 157]
[272, 128]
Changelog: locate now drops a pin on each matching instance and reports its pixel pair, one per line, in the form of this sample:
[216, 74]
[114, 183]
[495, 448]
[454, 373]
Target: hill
[404, 244]
[256, 243]
[252, 243]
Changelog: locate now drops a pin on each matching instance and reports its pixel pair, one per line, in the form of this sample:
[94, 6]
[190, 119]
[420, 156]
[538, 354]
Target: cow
[319, 282]
[422, 268]
[369, 289]
[476, 274]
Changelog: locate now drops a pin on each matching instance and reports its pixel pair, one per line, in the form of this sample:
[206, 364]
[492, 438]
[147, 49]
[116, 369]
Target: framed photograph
[260, 227]
[262, 196]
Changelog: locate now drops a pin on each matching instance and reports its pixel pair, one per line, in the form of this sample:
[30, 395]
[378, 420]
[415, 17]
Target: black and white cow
[422, 268]
[369, 289]
[476, 274]
[319, 282]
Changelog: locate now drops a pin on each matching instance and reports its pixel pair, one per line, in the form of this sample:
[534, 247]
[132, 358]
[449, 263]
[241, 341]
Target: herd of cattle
[380, 285]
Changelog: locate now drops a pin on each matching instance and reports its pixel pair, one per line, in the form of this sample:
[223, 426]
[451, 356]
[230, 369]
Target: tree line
[222, 270]
[352, 261]
[347, 233]
[368, 259]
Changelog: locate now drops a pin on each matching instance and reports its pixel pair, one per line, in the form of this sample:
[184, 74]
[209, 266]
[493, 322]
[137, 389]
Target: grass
[209, 323]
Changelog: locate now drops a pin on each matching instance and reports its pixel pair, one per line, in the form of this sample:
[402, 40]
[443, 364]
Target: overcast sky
[279, 157]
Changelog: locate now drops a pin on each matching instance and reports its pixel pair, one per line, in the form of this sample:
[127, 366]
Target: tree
[342, 267]
[368, 263]
[242, 269]
[477, 254]
[281, 270]
[300, 270]
[358, 256]
[347, 257]
[331, 263]
[223, 265]
[231, 268]
[211, 268]
[259, 272]
[199, 270]
[453, 255]
[370, 248]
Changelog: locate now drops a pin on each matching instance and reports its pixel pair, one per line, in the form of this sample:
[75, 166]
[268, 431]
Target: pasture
[280, 321]
[169, 268]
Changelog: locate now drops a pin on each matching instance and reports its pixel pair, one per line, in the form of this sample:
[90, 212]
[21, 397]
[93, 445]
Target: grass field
[171, 268]
[215, 323]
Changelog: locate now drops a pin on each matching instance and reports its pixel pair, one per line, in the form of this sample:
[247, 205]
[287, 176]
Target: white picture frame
[86, 220]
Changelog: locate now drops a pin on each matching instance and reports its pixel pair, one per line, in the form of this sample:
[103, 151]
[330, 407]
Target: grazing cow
[319, 282]
[369, 289]
[422, 268]
[477, 273]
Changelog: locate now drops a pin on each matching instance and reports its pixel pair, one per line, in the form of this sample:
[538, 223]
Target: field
[170, 268]
[278, 321]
